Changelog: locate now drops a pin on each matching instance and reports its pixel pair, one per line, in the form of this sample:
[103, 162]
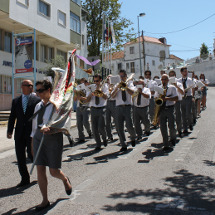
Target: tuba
[158, 104]
[81, 92]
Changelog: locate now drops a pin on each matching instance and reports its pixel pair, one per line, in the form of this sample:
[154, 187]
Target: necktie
[139, 99]
[123, 96]
[97, 100]
[40, 115]
[184, 83]
[25, 102]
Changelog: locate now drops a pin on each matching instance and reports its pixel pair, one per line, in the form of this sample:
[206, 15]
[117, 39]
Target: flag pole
[103, 36]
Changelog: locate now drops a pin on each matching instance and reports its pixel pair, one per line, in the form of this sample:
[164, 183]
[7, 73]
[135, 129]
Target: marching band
[142, 105]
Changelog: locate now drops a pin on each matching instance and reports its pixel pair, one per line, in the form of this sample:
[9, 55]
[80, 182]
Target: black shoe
[191, 127]
[80, 141]
[133, 143]
[71, 142]
[123, 149]
[185, 131]
[173, 142]
[97, 148]
[105, 143]
[39, 208]
[68, 192]
[110, 139]
[139, 138]
[90, 135]
[23, 183]
[147, 133]
[167, 148]
[180, 134]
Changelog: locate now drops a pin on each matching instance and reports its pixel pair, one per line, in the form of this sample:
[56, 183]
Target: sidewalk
[7, 144]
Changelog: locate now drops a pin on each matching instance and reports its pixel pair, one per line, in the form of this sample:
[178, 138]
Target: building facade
[155, 56]
[58, 30]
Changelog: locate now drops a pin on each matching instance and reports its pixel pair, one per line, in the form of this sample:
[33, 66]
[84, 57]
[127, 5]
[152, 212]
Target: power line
[170, 32]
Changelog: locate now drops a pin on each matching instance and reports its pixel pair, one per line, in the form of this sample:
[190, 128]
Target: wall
[49, 25]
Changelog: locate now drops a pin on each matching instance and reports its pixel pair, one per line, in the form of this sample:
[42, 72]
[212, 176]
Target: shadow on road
[80, 156]
[106, 157]
[209, 163]
[32, 209]
[12, 191]
[185, 193]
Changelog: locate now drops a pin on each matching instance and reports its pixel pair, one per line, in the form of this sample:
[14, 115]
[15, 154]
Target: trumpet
[124, 85]
[98, 93]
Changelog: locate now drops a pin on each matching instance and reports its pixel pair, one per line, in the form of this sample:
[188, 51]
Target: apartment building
[58, 30]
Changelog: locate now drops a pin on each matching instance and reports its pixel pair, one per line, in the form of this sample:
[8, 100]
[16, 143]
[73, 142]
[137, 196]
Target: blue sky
[170, 15]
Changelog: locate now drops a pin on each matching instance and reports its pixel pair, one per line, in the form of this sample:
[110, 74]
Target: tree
[96, 9]
[58, 61]
[204, 51]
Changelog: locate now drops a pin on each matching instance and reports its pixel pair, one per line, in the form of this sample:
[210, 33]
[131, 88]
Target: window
[24, 2]
[44, 8]
[132, 50]
[127, 67]
[132, 67]
[1, 86]
[1, 39]
[5, 84]
[7, 42]
[50, 54]
[61, 18]
[75, 23]
[43, 56]
[77, 2]
[82, 64]
[153, 63]
[18, 85]
[63, 54]
[82, 38]
[119, 66]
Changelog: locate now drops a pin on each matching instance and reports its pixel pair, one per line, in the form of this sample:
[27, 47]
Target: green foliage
[204, 51]
[58, 61]
[96, 9]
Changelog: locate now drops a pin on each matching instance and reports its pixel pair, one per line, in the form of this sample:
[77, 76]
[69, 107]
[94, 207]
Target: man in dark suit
[21, 111]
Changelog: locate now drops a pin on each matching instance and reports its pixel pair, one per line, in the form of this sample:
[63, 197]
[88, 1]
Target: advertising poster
[23, 55]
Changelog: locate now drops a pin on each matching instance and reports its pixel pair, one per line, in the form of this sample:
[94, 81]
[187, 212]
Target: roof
[146, 39]
[116, 55]
[171, 56]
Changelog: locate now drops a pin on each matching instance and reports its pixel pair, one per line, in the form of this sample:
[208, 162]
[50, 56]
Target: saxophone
[158, 104]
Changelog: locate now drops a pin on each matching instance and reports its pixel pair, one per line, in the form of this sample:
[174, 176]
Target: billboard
[23, 55]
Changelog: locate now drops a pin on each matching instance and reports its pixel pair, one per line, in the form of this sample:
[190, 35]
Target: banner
[23, 55]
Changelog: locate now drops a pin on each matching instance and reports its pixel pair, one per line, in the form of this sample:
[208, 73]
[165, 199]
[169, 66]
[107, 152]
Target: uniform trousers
[167, 115]
[178, 117]
[152, 108]
[98, 124]
[82, 117]
[123, 114]
[141, 114]
[186, 108]
[110, 112]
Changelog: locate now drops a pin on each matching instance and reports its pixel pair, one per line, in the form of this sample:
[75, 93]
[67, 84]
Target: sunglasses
[27, 85]
[96, 80]
[40, 90]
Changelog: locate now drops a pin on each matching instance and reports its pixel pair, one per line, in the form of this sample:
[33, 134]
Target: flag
[113, 38]
[62, 98]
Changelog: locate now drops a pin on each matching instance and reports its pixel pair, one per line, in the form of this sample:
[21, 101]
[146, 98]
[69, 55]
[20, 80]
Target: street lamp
[140, 15]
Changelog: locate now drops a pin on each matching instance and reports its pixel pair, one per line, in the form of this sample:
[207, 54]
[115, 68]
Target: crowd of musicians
[140, 105]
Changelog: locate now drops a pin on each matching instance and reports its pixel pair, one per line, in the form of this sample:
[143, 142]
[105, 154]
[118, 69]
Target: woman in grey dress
[52, 148]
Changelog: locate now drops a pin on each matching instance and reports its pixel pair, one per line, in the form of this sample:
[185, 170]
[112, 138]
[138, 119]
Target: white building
[155, 56]
[58, 30]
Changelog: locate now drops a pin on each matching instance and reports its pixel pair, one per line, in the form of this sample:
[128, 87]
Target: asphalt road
[142, 181]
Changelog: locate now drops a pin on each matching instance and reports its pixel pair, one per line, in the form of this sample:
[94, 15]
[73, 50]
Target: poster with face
[23, 55]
